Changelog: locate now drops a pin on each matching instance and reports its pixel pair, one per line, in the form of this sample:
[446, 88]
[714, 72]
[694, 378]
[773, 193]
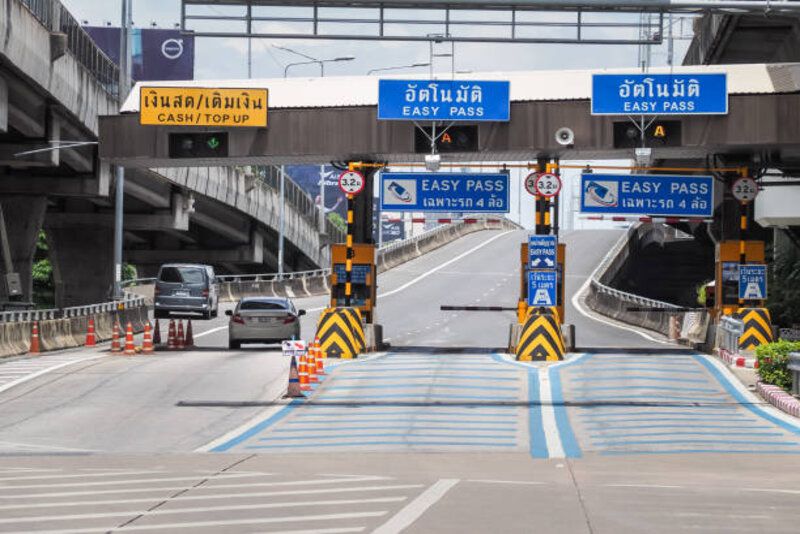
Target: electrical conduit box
[363, 276]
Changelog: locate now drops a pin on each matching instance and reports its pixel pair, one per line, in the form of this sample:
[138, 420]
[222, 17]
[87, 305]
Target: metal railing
[271, 277]
[56, 18]
[130, 301]
[730, 329]
[299, 199]
[605, 265]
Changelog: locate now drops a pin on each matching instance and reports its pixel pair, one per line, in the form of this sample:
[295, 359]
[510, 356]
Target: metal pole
[321, 69]
[322, 215]
[281, 218]
[125, 61]
[249, 41]
[348, 266]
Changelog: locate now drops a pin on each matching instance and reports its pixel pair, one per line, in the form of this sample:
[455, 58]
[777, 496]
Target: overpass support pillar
[83, 269]
[23, 217]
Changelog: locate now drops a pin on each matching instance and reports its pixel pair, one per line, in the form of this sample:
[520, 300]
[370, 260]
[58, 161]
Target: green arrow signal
[213, 143]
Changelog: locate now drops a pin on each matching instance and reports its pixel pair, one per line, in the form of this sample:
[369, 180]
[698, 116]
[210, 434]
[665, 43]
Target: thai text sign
[659, 94]
[542, 288]
[648, 194]
[444, 192]
[450, 100]
[201, 106]
[753, 282]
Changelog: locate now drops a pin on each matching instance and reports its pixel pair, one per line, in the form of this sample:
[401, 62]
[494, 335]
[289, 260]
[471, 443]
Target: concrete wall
[65, 333]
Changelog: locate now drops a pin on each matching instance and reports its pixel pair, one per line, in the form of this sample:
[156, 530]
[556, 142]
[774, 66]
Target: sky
[227, 58]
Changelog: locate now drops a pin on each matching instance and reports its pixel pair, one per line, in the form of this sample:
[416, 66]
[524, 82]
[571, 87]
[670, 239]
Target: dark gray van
[185, 288]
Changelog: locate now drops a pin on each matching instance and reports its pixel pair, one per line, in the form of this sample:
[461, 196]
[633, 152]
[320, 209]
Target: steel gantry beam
[511, 21]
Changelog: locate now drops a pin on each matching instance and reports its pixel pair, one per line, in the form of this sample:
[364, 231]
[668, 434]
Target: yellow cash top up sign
[200, 106]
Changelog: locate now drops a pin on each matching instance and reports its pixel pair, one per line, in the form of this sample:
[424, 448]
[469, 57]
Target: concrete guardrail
[665, 318]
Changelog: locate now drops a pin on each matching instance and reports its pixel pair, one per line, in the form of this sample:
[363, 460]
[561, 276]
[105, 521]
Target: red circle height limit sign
[351, 182]
[530, 183]
[744, 189]
[547, 185]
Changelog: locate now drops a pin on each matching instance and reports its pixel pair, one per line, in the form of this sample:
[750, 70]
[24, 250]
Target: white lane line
[442, 266]
[221, 523]
[551, 434]
[772, 490]
[193, 510]
[46, 370]
[30, 446]
[510, 482]
[211, 331]
[414, 510]
[82, 475]
[642, 486]
[191, 497]
[595, 317]
[223, 476]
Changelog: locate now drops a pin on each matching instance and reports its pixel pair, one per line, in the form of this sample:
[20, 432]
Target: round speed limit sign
[744, 189]
[548, 185]
[351, 182]
[530, 183]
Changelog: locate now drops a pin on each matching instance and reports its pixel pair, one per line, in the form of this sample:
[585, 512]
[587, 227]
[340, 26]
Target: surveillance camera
[565, 136]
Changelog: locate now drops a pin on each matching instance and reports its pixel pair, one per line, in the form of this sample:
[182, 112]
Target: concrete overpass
[54, 83]
[744, 38]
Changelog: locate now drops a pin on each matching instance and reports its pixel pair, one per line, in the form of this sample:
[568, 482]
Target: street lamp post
[125, 68]
[321, 63]
[398, 67]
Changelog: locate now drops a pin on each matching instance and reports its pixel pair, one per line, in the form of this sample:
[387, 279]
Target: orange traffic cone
[179, 339]
[35, 349]
[303, 374]
[172, 343]
[318, 355]
[189, 342]
[157, 334]
[294, 389]
[130, 348]
[147, 340]
[115, 346]
[90, 337]
[311, 363]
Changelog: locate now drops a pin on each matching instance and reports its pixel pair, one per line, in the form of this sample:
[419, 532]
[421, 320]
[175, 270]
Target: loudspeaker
[565, 136]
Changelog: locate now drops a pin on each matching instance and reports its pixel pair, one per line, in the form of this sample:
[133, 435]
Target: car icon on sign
[400, 192]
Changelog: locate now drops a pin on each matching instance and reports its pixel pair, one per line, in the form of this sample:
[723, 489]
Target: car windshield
[262, 305]
[181, 275]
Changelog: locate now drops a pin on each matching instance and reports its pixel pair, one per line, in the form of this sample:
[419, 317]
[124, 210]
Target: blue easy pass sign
[442, 191]
[450, 100]
[753, 282]
[648, 194]
[659, 94]
[542, 251]
[542, 288]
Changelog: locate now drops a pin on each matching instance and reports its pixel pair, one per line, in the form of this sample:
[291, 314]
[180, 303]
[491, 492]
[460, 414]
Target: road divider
[341, 333]
[540, 337]
[757, 327]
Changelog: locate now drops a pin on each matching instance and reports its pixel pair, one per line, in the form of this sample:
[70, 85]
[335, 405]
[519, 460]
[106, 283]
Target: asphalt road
[440, 434]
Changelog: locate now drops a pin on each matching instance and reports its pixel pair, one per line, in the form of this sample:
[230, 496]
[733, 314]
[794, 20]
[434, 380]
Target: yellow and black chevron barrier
[757, 327]
[541, 337]
[340, 333]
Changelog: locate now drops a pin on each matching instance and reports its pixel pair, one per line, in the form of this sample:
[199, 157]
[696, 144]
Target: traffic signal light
[198, 145]
[659, 133]
[454, 139]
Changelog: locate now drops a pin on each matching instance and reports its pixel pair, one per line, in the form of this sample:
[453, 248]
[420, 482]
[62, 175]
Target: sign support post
[348, 264]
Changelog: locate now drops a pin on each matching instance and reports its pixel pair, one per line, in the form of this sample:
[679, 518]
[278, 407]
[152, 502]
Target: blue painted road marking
[410, 402]
[703, 412]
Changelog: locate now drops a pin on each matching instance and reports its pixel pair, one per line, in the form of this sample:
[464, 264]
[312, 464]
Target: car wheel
[160, 314]
[207, 315]
[215, 312]
[234, 344]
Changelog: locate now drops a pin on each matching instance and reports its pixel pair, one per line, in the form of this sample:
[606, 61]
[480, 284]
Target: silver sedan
[263, 320]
